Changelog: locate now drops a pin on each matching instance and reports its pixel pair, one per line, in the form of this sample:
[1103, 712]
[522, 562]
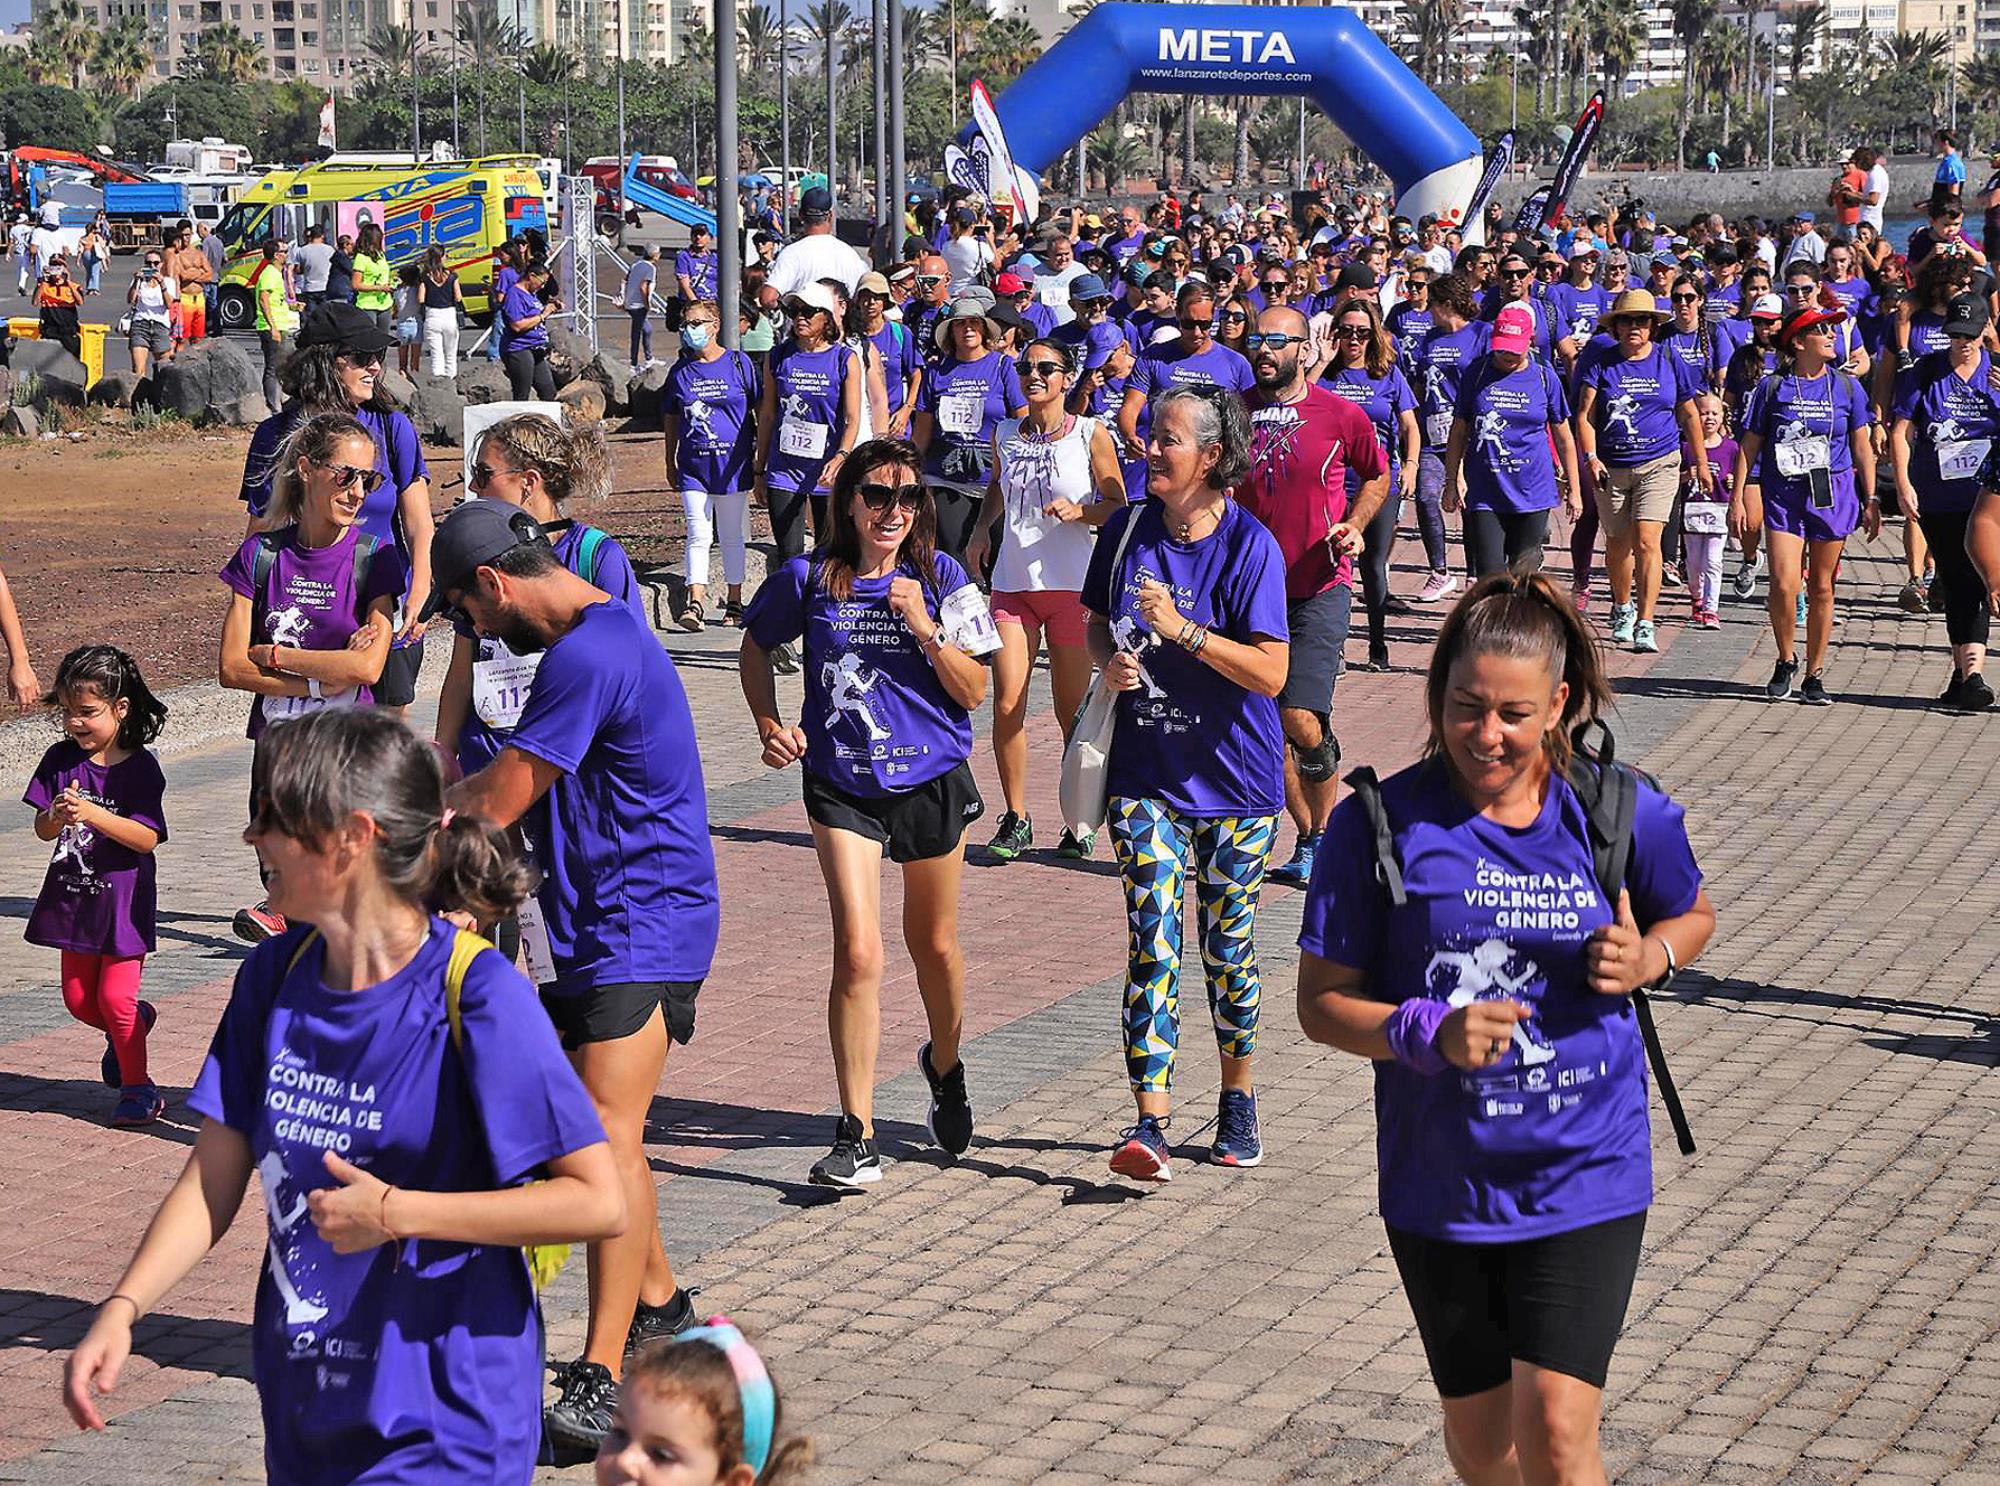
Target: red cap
[1009, 283]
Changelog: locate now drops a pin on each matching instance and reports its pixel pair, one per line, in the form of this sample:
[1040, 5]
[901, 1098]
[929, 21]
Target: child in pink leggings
[97, 795]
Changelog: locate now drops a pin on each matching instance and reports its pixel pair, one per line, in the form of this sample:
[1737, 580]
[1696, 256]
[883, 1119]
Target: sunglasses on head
[879, 497]
[346, 476]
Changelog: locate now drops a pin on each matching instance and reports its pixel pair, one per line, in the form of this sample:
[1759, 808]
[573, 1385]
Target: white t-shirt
[1052, 289]
[965, 257]
[1039, 554]
[1878, 183]
[819, 255]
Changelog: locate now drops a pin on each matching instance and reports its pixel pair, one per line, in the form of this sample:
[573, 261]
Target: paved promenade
[1820, 1297]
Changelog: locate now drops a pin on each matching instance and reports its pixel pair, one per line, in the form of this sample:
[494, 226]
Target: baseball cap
[814, 296]
[1355, 276]
[816, 205]
[1100, 344]
[1010, 283]
[963, 216]
[1514, 328]
[469, 537]
[344, 326]
[1803, 217]
[1767, 307]
[1088, 286]
[1966, 314]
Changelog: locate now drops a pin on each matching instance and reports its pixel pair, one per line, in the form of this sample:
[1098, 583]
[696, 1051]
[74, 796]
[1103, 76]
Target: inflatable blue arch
[1327, 55]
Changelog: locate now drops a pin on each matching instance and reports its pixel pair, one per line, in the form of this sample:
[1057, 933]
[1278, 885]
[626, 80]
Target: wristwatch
[1667, 975]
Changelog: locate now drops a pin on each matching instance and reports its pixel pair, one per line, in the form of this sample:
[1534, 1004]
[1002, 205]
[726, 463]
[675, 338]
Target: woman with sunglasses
[308, 622]
[897, 352]
[1947, 421]
[807, 417]
[1233, 319]
[968, 389]
[1056, 479]
[894, 635]
[1410, 319]
[1364, 372]
[1634, 407]
[1806, 435]
[151, 297]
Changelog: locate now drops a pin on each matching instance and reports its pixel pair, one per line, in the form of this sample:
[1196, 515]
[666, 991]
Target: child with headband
[699, 1409]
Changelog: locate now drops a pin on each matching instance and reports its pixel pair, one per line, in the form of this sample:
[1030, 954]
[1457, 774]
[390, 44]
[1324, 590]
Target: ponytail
[574, 461]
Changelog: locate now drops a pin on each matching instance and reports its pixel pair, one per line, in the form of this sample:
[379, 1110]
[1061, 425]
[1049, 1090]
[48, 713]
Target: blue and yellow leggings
[1153, 842]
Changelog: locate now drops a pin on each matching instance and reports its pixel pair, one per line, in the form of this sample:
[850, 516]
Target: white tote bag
[1086, 764]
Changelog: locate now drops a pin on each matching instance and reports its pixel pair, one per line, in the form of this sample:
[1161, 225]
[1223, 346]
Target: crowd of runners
[1157, 447]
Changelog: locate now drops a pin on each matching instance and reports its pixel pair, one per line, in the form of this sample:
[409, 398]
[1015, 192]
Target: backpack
[265, 558]
[545, 1260]
[1609, 793]
[588, 549]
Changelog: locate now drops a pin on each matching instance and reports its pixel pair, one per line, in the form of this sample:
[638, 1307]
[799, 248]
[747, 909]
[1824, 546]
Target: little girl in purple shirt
[97, 795]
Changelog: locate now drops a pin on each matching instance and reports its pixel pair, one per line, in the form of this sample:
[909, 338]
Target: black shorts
[1319, 633]
[398, 686]
[607, 1013]
[1556, 1302]
[913, 826]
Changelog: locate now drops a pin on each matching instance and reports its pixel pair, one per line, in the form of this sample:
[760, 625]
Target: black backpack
[1609, 792]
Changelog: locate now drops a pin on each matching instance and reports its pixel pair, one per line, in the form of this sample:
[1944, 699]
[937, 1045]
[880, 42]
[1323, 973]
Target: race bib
[500, 687]
[962, 414]
[1704, 518]
[281, 709]
[967, 622]
[802, 440]
[535, 941]
[1437, 431]
[1798, 458]
[1960, 459]
[1052, 292]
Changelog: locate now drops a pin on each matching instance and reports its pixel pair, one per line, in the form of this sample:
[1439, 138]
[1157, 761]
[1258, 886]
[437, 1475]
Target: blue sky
[12, 13]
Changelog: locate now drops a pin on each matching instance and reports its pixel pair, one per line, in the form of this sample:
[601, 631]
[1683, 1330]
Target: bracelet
[382, 1217]
[1411, 1033]
[1185, 639]
[1200, 639]
[121, 1295]
[314, 690]
[1666, 976]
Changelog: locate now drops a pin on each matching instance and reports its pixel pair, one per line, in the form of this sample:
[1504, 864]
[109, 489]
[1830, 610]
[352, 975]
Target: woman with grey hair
[1186, 593]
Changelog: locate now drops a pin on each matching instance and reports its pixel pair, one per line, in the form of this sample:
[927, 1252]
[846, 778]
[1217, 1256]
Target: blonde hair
[314, 440]
[573, 462]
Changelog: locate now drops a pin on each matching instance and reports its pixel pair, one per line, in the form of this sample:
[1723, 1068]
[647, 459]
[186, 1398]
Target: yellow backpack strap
[300, 953]
[466, 947]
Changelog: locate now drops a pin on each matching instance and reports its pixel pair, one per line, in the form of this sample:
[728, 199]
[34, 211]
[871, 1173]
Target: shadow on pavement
[1978, 1043]
[56, 1323]
[89, 1101]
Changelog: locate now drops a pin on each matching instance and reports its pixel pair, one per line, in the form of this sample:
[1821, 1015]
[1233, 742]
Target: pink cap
[1514, 328]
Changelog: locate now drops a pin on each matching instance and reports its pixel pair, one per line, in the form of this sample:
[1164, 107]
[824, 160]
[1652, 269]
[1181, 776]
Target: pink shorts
[1058, 613]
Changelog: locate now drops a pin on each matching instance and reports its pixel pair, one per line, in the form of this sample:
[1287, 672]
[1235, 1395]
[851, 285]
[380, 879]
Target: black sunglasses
[347, 475]
[1042, 368]
[1515, 273]
[1687, 299]
[1351, 332]
[879, 497]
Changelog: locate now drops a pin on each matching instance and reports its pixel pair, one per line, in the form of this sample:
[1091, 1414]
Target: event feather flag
[326, 133]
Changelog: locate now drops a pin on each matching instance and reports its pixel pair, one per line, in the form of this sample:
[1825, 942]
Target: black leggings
[1377, 540]
[788, 518]
[529, 378]
[1965, 617]
[957, 514]
[1496, 540]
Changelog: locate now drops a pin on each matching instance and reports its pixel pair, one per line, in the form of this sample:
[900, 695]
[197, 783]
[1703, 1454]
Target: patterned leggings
[1153, 841]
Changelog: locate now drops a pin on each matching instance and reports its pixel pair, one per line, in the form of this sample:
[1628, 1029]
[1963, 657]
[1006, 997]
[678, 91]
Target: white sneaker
[1436, 586]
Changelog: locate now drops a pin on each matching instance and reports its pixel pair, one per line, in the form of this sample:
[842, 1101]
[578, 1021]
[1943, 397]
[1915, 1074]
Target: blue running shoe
[1299, 869]
[138, 1104]
[108, 1068]
[1142, 1153]
[1237, 1142]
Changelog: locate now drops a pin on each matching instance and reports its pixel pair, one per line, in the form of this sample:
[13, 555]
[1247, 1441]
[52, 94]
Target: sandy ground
[118, 536]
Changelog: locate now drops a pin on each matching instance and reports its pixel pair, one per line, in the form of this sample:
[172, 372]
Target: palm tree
[124, 55]
[223, 54]
[1979, 85]
[1807, 32]
[549, 65]
[44, 64]
[1919, 61]
[757, 38]
[1118, 155]
[1006, 49]
[71, 37]
[1690, 19]
[1531, 24]
[484, 41]
[1436, 27]
[1615, 34]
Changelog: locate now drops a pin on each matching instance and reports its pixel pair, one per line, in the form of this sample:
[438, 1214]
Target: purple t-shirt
[1187, 735]
[1637, 403]
[1171, 364]
[1441, 360]
[313, 598]
[1509, 464]
[810, 419]
[418, 1361]
[1409, 325]
[1805, 424]
[698, 269]
[98, 898]
[1721, 460]
[519, 304]
[1926, 334]
[502, 680]
[1384, 399]
[1555, 1136]
[1953, 427]
[716, 445]
[628, 888]
[900, 355]
[399, 459]
[1576, 309]
[1699, 350]
[1854, 294]
[878, 720]
[967, 401]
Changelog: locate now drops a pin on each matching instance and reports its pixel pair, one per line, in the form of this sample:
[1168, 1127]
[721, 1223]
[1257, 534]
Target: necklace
[1185, 529]
[1054, 435]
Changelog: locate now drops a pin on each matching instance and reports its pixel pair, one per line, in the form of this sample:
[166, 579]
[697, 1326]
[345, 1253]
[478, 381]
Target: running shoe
[1813, 693]
[108, 1069]
[1644, 639]
[1142, 1152]
[1237, 1142]
[1016, 835]
[1976, 695]
[581, 1416]
[1076, 848]
[1299, 869]
[1624, 620]
[257, 923]
[785, 661]
[1378, 658]
[1670, 575]
[949, 1118]
[1953, 696]
[138, 1104]
[653, 1322]
[1744, 583]
[853, 1162]
[1436, 586]
[1708, 619]
[1581, 598]
[1780, 685]
[1912, 599]
[1934, 595]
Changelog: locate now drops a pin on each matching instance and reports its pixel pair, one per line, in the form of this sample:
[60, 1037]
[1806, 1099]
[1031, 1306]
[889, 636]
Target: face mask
[695, 337]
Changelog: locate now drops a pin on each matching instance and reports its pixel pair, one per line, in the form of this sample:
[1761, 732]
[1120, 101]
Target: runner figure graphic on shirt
[1127, 635]
[73, 845]
[1481, 975]
[697, 413]
[1492, 432]
[847, 684]
[286, 626]
[285, 1223]
[1624, 411]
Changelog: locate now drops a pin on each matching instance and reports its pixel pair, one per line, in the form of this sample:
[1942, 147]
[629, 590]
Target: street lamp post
[832, 133]
[876, 43]
[893, 9]
[784, 119]
[416, 96]
[728, 218]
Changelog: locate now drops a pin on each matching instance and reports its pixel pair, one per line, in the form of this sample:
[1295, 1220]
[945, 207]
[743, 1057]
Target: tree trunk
[1242, 162]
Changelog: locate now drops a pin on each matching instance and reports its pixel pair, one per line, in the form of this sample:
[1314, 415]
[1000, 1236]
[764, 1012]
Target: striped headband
[753, 1385]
